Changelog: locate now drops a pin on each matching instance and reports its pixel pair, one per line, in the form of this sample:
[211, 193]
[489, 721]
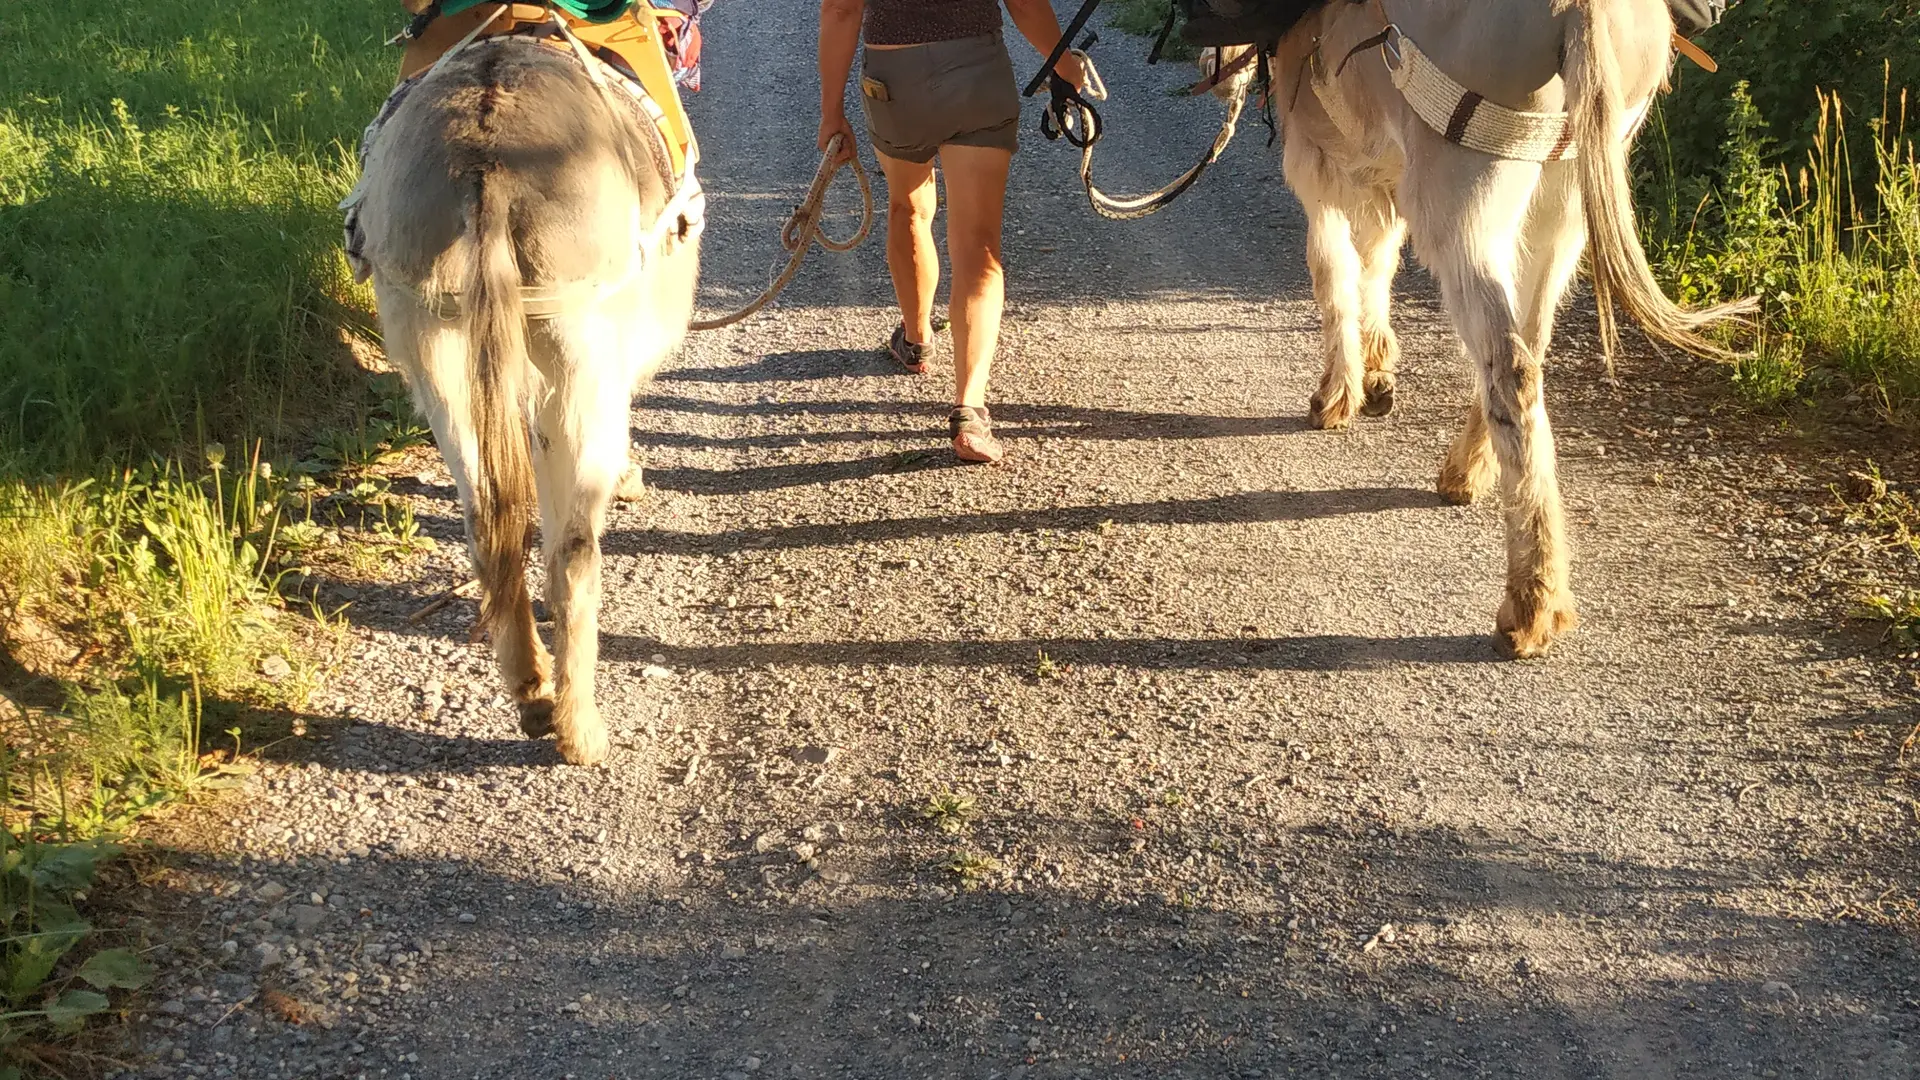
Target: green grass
[1143, 18]
[170, 286]
[971, 869]
[1785, 50]
[946, 812]
[168, 244]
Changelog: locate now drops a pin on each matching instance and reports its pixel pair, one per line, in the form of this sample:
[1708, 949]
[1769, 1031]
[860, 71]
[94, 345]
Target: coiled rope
[803, 230]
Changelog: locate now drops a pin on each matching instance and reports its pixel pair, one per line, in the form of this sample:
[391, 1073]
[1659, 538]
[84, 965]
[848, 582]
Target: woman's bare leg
[911, 258]
[976, 179]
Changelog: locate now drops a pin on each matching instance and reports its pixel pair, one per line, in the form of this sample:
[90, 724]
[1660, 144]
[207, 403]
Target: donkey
[506, 179]
[1502, 236]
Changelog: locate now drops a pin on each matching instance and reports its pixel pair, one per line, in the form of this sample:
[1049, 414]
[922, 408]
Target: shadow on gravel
[1013, 419]
[1321, 652]
[693, 481]
[732, 959]
[1259, 506]
[791, 367]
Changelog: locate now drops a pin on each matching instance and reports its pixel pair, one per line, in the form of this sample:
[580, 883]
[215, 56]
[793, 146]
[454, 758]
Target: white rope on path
[802, 229]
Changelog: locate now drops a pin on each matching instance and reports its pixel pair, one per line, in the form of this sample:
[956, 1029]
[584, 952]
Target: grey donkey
[507, 184]
[1502, 237]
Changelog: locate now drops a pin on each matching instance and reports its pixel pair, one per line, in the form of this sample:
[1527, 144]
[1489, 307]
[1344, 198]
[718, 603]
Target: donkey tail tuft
[1619, 265]
[500, 380]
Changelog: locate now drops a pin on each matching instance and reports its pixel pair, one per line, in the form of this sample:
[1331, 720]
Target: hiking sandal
[910, 356]
[972, 432]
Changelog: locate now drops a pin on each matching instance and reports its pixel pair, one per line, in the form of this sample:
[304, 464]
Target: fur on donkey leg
[1538, 608]
[1469, 470]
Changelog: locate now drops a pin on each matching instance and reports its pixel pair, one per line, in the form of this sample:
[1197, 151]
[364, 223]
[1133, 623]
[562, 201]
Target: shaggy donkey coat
[1502, 238]
[505, 168]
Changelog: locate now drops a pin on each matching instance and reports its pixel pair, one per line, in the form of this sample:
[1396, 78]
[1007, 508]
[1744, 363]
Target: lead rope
[1080, 124]
[803, 230]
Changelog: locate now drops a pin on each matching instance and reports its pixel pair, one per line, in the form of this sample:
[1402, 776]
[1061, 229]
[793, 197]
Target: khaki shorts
[923, 97]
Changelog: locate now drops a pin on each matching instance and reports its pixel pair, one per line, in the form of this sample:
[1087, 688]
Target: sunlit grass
[1837, 269]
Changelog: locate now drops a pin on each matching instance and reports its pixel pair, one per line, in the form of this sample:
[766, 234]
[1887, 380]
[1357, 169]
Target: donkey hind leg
[1555, 234]
[431, 354]
[1468, 472]
[580, 457]
[1335, 263]
[1470, 223]
[1379, 234]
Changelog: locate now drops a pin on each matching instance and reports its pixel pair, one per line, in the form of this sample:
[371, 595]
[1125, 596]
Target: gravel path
[1250, 792]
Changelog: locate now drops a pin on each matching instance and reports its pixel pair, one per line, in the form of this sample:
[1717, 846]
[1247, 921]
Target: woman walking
[936, 81]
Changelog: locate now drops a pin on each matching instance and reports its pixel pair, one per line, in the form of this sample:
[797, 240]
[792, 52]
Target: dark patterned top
[917, 22]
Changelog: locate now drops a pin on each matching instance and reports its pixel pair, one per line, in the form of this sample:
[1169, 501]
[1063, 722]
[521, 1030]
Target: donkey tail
[1618, 262]
[502, 529]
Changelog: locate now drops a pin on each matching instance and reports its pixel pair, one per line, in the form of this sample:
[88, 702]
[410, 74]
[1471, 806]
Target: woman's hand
[835, 123]
[839, 38]
[1071, 69]
[1041, 27]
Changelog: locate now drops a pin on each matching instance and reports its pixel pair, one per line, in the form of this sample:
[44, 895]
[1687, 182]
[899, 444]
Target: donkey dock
[1501, 187]
[533, 249]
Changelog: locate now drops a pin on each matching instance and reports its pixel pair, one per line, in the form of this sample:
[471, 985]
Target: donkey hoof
[585, 747]
[1379, 400]
[1530, 628]
[632, 486]
[536, 718]
[1329, 415]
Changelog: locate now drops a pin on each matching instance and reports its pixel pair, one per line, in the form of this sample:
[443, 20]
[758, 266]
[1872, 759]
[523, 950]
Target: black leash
[1166, 31]
[1060, 48]
[1071, 116]
[1079, 124]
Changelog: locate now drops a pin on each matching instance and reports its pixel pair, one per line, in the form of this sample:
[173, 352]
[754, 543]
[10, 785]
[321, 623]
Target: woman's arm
[1041, 27]
[839, 38]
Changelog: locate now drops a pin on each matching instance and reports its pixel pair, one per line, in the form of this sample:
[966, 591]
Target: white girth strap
[1464, 117]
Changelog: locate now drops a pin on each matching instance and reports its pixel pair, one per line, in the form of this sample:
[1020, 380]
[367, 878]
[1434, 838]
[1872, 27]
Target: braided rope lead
[802, 229]
[1080, 124]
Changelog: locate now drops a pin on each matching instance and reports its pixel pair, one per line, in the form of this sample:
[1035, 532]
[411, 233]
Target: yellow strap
[1694, 53]
[638, 40]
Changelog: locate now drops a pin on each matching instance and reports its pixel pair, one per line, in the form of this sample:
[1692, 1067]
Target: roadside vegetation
[1792, 175]
[1832, 249]
[191, 429]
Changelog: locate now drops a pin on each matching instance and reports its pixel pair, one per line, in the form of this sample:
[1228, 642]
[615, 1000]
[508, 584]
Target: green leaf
[74, 1007]
[11, 1072]
[33, 958]
[115, 967]
[69, 867]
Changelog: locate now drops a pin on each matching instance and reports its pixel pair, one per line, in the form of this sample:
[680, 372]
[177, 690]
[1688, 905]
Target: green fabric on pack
[593, 11]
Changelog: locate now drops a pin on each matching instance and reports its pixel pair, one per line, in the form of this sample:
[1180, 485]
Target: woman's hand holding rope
[802, 229]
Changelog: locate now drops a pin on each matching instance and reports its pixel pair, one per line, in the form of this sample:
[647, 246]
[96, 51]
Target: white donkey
[534, 258]
[1380, 137]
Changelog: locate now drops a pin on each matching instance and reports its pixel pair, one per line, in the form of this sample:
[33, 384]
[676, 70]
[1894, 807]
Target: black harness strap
[1060, 49]
[1373, 42]
[418, 24]
[1166, 29]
